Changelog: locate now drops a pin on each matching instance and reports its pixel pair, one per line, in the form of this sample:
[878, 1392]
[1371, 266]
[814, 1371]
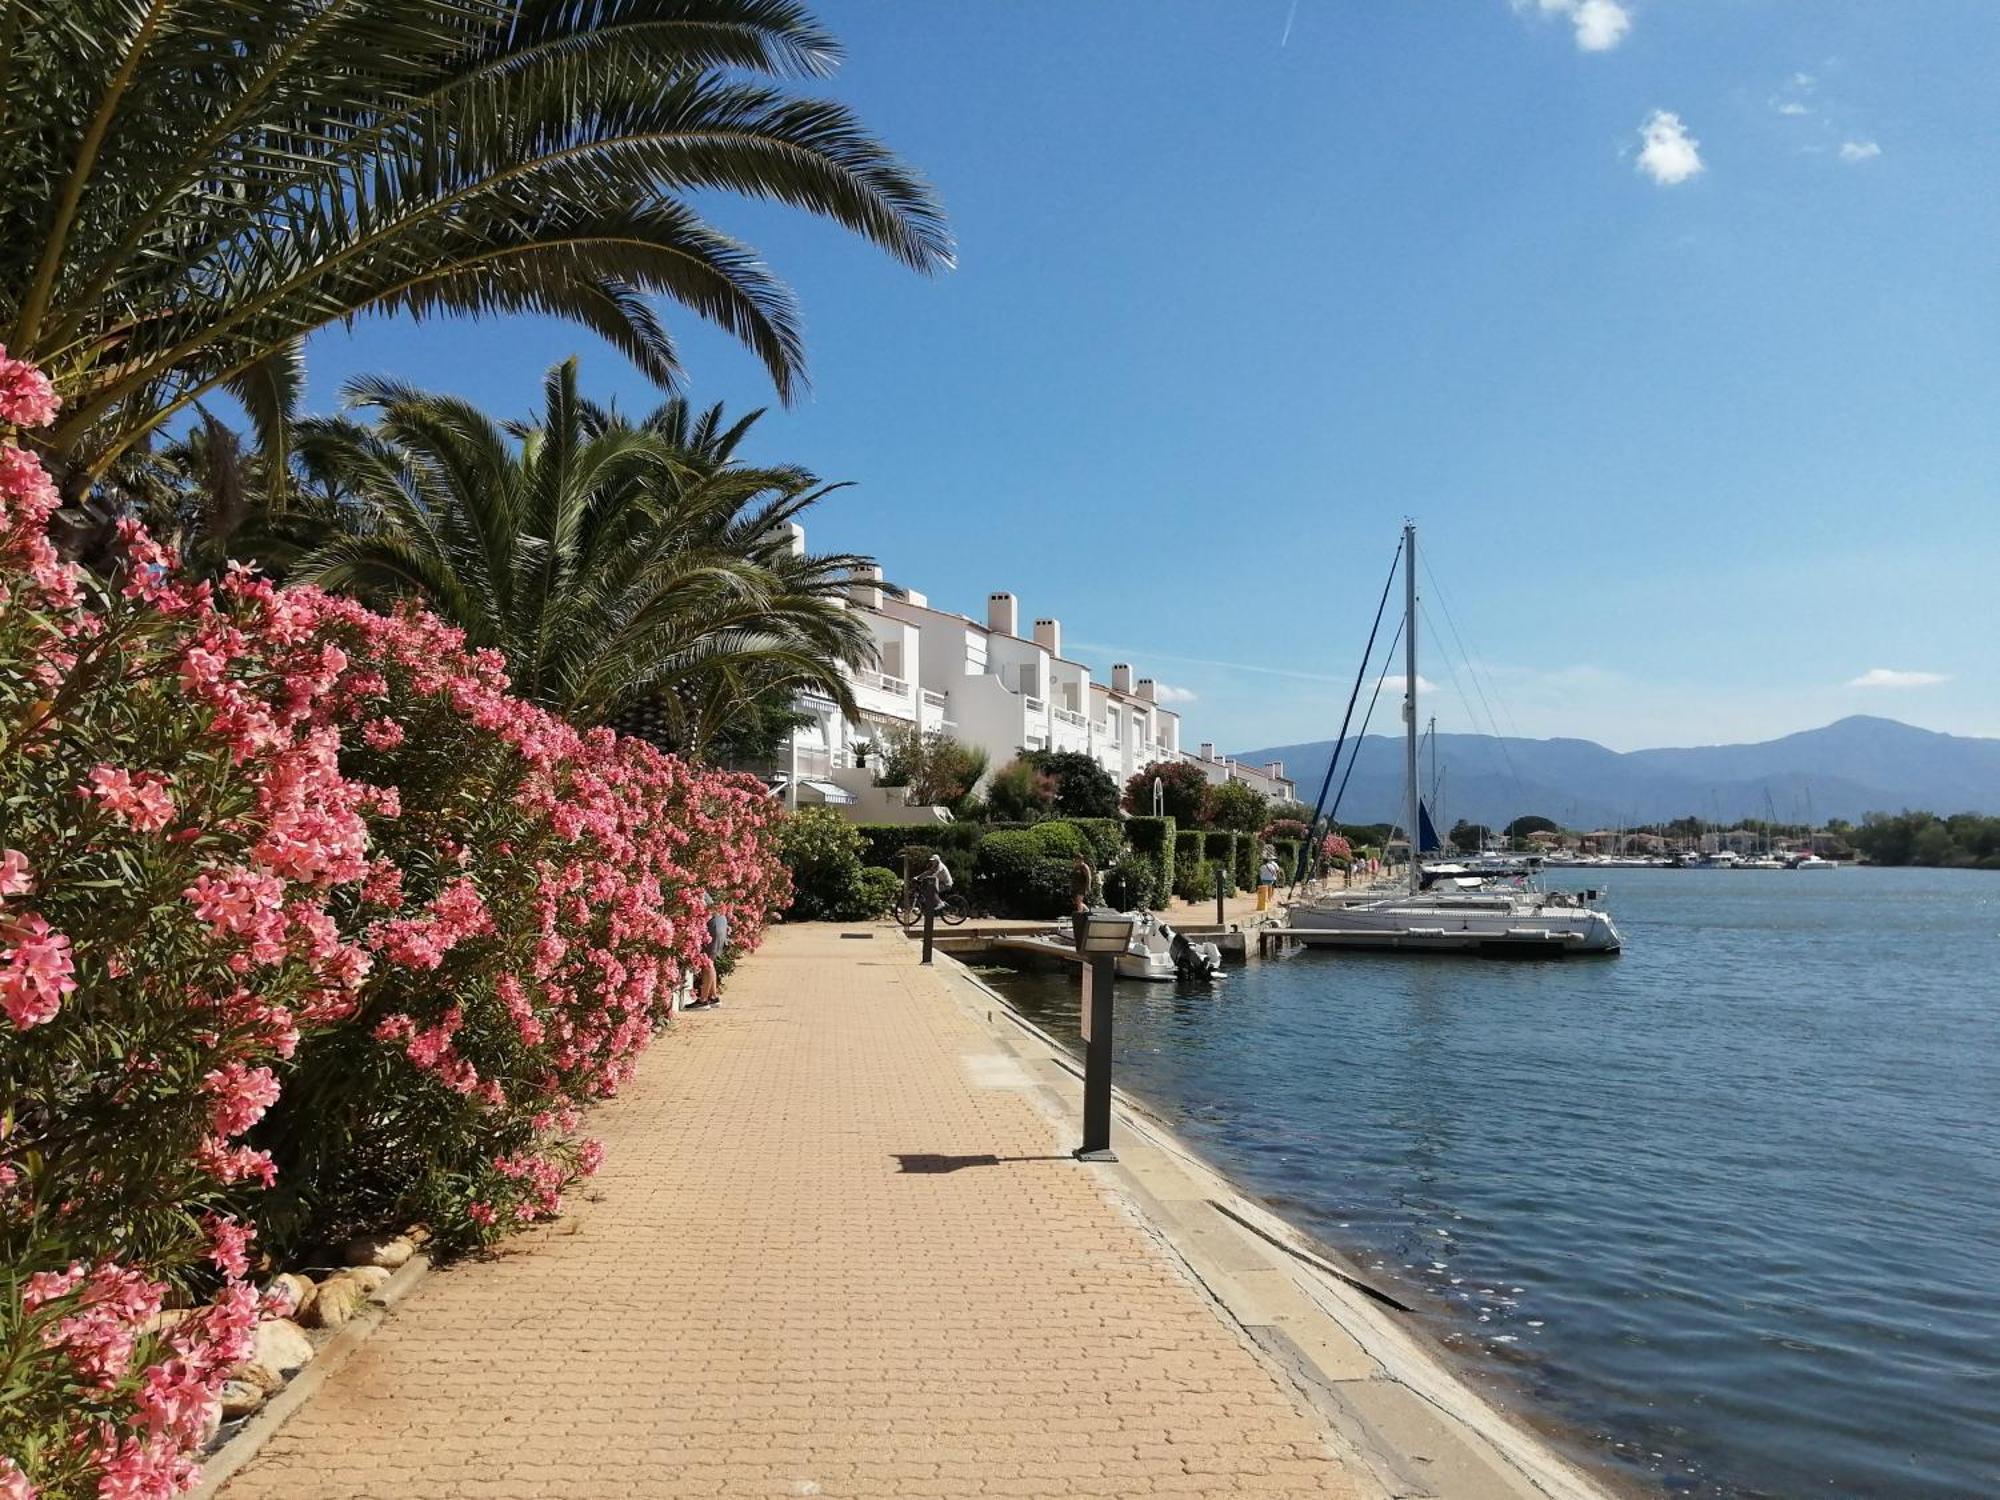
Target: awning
[825, 793]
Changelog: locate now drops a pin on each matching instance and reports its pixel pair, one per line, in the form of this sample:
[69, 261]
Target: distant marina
[1698, 1208]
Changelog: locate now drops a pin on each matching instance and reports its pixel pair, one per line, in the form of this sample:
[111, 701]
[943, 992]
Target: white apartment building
[985, 684]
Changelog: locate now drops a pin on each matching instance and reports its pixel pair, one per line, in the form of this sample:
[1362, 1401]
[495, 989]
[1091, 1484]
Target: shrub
[1219, 849]
[1083, 788]
[1194, 880]
[1019, 793]
[1153, 839]
[1025, 872]
[1105, 837]
[1286, 828]
[1237, 807]
[290, 890]
[1130, 882]
[1190, 846]
[1288, 859]
[904, 847]
[938, 770]
[1249, 854]
[875, 892]
[1183, 792]
[823, 852]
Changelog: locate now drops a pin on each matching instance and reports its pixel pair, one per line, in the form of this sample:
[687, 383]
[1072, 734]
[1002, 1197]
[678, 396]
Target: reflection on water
[1727, 1206]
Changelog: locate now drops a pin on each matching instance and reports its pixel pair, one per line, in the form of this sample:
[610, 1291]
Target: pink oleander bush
[307, 927]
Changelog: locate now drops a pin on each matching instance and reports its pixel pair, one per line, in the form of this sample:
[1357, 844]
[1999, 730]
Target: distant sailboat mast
[1410, 700]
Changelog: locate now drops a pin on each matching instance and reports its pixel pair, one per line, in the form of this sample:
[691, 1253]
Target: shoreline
[1380, 1377]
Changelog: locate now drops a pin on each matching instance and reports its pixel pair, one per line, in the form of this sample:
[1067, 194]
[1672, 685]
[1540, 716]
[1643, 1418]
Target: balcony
[894, 685]
[810, 760]
[1075, 720]
[1036, 705]
[938, 701]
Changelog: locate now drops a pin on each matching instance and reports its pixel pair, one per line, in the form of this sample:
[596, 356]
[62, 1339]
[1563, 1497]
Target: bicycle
[952, 908]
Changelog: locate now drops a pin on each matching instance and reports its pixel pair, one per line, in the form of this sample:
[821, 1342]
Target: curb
[219, 1467]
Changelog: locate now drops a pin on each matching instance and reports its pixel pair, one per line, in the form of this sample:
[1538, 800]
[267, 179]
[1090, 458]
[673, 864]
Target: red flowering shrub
[306, 926]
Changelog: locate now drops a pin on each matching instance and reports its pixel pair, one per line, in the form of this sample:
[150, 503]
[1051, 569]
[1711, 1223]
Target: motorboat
[1810, 862]
[1156, 952]
[1460, 912]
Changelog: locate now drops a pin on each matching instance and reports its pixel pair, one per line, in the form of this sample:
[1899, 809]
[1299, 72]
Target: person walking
[1267, 880]
[1082, 880]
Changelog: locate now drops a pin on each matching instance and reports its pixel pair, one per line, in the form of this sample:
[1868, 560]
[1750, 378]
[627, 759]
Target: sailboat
[1504, 919]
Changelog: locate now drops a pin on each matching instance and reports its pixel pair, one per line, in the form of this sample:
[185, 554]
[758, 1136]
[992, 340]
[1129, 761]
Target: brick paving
[787, 1282]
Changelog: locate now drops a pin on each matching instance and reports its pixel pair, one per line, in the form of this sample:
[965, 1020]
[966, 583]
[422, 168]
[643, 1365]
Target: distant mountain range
[1851, 767]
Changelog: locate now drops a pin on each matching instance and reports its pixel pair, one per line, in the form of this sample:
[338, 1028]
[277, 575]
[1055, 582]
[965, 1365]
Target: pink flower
[382, 734]
[15, 879]
[143, 1471]
[26, 397]
[34, 972]
[141, 801]
[13, 1483]
[480, 1213]
[238, 1097]
[229, 1244]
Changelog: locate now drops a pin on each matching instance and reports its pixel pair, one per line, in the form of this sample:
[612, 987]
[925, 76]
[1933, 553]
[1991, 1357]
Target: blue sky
[1675, 325]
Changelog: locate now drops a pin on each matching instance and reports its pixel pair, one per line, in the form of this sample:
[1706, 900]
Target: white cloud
[1859, 151]
[1671, 155]
[1889, 677]
[1168, 693]
[1791, 107]
[1803, 80]
[1600, 24]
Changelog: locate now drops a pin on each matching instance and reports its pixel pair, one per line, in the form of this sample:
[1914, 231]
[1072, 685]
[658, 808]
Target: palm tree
[194, 188]
[616, 565]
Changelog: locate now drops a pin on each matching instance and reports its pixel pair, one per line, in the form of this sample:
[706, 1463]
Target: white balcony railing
[1100, 727]
[1065, 716]
[1036, 705]
[936, 700]
[890, 684]
[810, 760]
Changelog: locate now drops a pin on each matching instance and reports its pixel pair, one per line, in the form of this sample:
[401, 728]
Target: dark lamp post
[1101, 935]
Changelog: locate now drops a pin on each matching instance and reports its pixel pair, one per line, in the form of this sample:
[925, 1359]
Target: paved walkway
[804, 1273]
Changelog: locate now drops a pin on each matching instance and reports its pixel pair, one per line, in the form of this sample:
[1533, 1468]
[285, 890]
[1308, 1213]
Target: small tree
[1083, 788]
[1521, 827]
[1240, 808]
[938, 770]
[1286, 828]
[1183, 790]
[1021, 792]
[1469, 838]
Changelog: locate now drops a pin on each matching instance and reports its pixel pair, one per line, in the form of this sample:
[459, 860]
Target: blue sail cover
[1427, 834]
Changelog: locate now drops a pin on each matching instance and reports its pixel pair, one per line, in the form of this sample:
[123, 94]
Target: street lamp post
[1101, 935]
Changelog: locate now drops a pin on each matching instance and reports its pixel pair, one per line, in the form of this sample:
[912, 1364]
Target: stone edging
[263, 1425]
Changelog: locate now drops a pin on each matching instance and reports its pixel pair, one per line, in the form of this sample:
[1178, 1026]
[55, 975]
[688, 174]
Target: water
[1723, 1211]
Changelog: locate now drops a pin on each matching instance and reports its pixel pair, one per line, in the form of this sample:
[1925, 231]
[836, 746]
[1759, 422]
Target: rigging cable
[1326, 781]
[1334, 811]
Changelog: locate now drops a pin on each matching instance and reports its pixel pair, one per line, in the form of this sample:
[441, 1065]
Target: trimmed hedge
[1106, 836]
[1248, 848]
[1288, 859]
[1189, 846]
[1153, 839]
[1194, 879]
[1219, 848]
[885, 844]
[1024, 872]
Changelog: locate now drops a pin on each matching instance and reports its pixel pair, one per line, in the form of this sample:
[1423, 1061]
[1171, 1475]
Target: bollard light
[1104, 931]
[1101, 935]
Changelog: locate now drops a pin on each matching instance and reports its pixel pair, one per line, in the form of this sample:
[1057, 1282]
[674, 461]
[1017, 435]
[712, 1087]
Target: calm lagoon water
[1724, 1210]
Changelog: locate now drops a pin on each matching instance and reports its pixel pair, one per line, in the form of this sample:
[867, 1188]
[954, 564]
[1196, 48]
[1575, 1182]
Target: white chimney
[1121, 678]
[1149, 690]
[798, 538]
[1048, 635]
[1275, 770]
[1208, 750]
[864, 586]
[1003, 614]
[911, 596]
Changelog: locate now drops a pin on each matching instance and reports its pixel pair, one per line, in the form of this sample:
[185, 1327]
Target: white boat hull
[1449, 927]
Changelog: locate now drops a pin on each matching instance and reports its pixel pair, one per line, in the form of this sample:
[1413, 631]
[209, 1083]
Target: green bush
[1194, 879]
[1131, 882]
[1288, 859]
[1153, 839]
[904, 847]
[1249, 855]
[1106, 837]
[823, 852]
[1189, 845]
[875, 892]
[1082, 788]
[1219, 849]
[1024, 872]
[1237, 807]
[1021, 793]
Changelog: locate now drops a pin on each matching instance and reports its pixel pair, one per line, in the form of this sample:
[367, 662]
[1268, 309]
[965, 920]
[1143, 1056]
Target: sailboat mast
[1410, 698]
